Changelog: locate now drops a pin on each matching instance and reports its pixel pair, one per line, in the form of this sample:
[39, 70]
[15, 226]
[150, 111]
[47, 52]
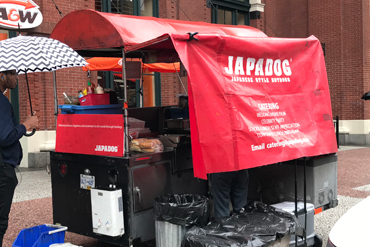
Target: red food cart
[253, 101]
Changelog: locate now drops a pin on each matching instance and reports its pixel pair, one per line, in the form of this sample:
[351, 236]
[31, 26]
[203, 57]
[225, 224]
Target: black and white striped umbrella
[37, 54]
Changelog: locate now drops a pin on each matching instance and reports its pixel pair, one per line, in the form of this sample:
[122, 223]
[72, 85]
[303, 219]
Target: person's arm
[9, 133]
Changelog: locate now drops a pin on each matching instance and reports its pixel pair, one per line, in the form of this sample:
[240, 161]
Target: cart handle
[137, 190]
[68, 108]
[59, 230]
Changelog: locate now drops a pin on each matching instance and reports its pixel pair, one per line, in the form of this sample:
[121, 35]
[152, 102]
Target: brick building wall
[284, 19]
[366, 54]
[339, 24]
[343, 36]
[326, 26]
[41, 84]
[343, 27]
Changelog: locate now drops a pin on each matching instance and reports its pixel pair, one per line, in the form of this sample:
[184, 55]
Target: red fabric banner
[255, 101]
[99, 134]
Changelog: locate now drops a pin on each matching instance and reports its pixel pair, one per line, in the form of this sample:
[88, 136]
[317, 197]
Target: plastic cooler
[92, 109]
[290, 208]
[40, 236]
[95, 99]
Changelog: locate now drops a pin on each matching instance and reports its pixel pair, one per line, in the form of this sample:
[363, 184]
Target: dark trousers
[228, 186]
[8, 182]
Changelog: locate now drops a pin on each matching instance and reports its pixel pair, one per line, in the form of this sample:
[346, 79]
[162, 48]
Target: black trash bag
[184, 210]
[258, 226]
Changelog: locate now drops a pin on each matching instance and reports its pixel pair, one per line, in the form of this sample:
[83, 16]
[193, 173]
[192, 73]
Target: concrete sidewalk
[32, 204]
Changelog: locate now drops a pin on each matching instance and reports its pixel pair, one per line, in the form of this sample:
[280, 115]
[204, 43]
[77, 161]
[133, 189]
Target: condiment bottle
[99, 89]
[80, 94]
[90, 89]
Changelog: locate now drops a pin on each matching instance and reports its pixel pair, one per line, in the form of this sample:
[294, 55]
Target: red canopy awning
[115, 64]
[88, 29]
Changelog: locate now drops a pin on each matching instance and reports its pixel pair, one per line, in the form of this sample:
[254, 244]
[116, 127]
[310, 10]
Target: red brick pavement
[353, 172]
[38, 212]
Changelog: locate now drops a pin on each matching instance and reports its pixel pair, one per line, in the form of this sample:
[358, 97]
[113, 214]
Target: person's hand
[32, 122]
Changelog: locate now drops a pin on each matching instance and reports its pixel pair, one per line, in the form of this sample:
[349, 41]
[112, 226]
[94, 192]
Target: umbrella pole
[29, 97]
[125, 105]
[29, 94]
[55, 99]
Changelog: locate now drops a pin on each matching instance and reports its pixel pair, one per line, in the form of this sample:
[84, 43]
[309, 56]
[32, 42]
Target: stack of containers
[93, 103]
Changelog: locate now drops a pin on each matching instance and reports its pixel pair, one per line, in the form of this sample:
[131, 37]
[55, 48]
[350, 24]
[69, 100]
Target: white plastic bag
[64, 245]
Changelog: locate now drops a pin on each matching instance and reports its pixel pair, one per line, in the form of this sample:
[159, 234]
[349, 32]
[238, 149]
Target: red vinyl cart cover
[255, 101]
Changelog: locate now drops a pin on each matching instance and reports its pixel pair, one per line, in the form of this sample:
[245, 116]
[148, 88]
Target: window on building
[229, 12]
[146, 8]
[225, 17]
[12, 95]
[125, 7]
[242, 19]
[128, 7]
[4, 34]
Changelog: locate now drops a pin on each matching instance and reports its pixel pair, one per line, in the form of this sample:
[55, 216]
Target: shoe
[241, 211]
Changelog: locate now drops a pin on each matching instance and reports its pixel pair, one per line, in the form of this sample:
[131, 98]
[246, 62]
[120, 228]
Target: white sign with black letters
[24, 13]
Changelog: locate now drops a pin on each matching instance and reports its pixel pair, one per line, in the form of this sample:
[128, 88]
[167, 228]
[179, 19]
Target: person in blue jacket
[10, 147]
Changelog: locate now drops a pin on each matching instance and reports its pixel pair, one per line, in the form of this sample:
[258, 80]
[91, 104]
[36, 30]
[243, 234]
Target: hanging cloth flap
[255, 101]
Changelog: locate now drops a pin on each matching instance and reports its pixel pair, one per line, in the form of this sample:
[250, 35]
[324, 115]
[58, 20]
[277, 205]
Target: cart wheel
[317, 241]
